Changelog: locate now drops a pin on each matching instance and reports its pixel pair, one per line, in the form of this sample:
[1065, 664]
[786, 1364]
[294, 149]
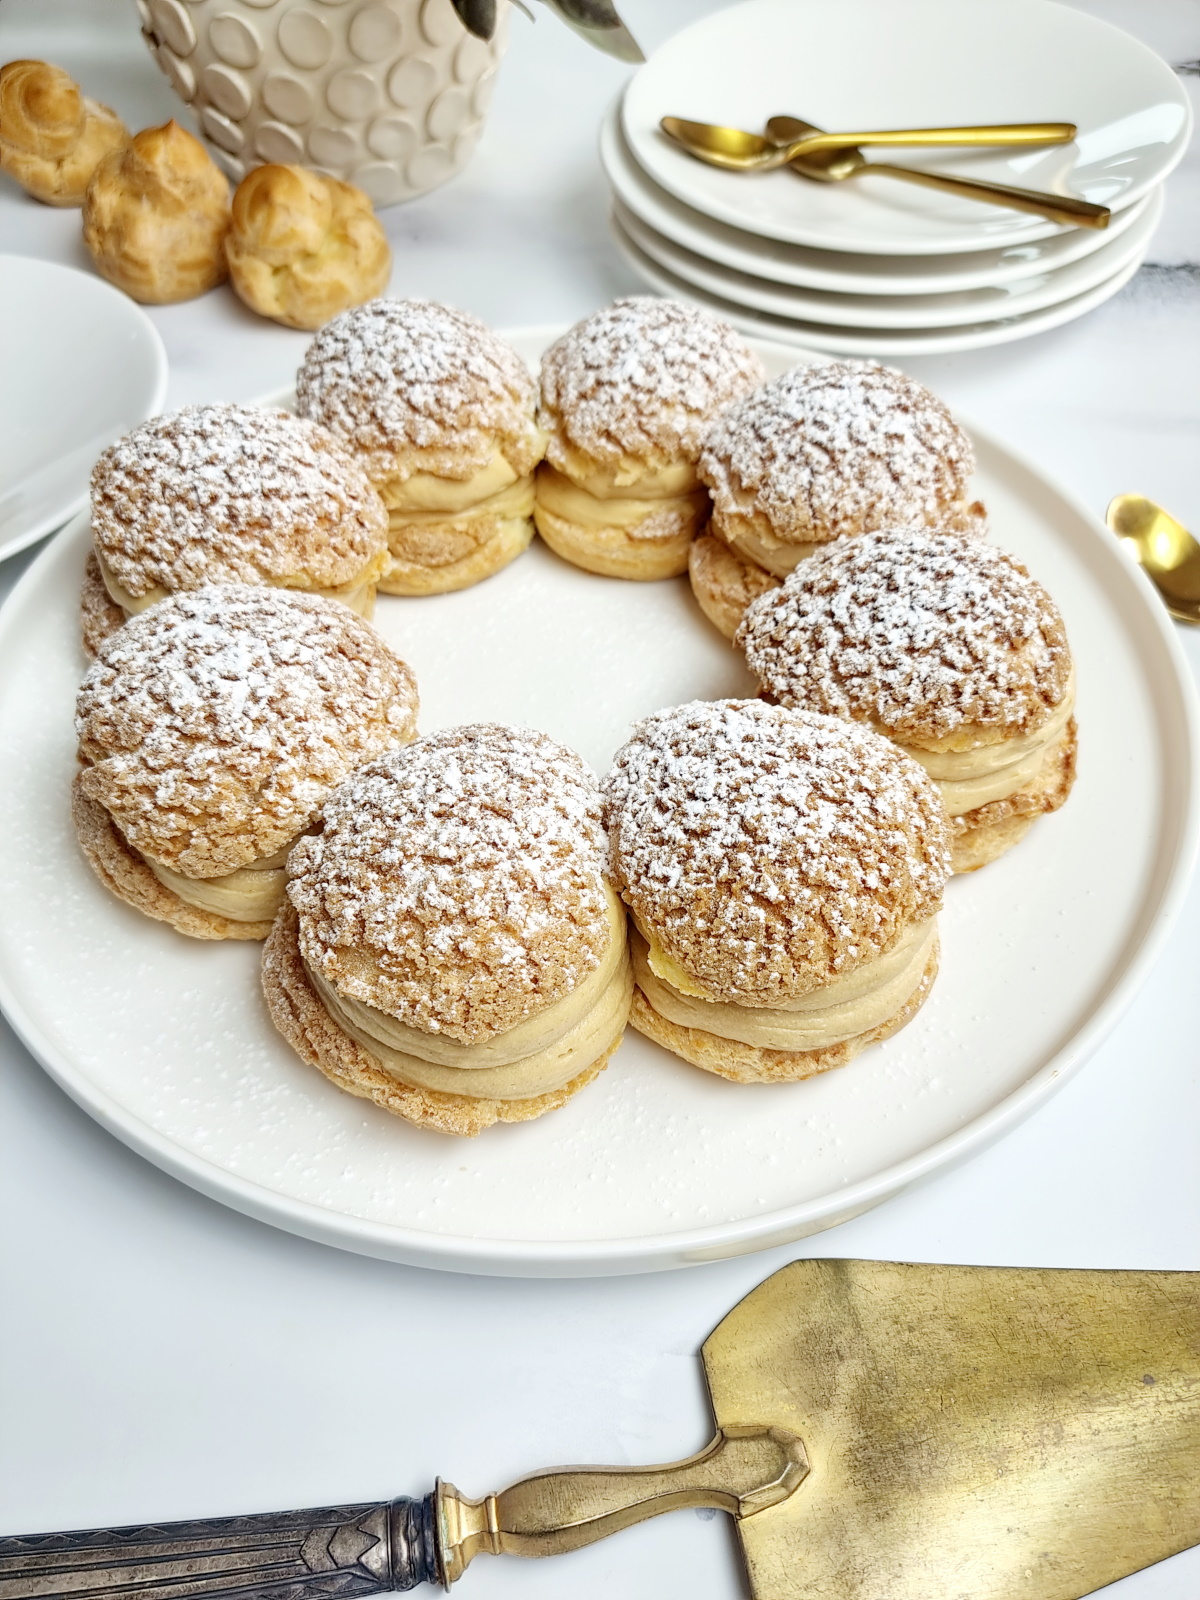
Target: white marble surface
[162, 1357]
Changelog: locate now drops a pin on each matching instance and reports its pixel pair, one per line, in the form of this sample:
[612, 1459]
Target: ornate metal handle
[322, 1554]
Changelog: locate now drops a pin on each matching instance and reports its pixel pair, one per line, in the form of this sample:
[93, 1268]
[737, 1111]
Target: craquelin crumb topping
[919, 634]
[412, 385]
[233, 494]
[642, 377]
[835, 449]
[457, 883]
[769, 851]
[214, 725]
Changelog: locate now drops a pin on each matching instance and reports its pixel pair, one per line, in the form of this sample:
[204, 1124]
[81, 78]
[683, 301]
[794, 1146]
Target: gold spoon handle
[1003, 133]
[1059, 208]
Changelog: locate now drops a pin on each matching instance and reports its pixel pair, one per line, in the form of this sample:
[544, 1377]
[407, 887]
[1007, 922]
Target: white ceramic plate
[82, 365]
[891, 312]
[922, 63]
[166, 1042]
[868, 341]
[837, 271]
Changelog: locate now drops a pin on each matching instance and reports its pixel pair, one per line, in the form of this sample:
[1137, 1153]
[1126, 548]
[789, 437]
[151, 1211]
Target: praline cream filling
[358, 593]
[773, 555]
[251, 894]
[848, 1006]
[514, 499]
[581, 504]
[537, 1056]
[970, 778]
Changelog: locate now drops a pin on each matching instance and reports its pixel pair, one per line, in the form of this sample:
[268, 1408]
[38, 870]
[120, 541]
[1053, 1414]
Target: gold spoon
[1163, 548]
[826, 165]
[737, 151]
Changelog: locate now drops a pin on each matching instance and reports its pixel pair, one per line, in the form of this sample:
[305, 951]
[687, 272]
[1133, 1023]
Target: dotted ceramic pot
[387, 94]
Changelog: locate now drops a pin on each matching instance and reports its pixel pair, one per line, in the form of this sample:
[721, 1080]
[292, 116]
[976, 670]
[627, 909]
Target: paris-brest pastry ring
[948, 647]
[440, 414]
[211, 731]
[783, 870]
[825, 452]
[626, 397]
[228, 494]
[449, 949]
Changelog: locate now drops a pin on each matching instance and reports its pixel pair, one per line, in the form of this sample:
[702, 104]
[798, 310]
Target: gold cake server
[884, 1432]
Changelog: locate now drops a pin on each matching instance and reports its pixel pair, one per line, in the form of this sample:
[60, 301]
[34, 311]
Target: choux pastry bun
[626, 397]
[450, 949]
[229, 494]
[155, 217]
[52, 137]
[303, 247]
[949, 648]
[440, 413]
[784, 871]
[211, 731]
[825, 452]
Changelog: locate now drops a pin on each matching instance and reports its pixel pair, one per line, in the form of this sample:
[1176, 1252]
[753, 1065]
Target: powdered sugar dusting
[394, 376]
[918, 633]
[233, 494]
[457, 883]
[836, 449]
[642, 377]
[216, 723]
[770, 850]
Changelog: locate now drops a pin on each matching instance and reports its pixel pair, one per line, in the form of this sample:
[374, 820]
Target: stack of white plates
[873, 265]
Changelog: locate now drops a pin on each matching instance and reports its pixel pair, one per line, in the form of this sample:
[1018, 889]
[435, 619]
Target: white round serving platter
[884, 342]
[865, 64]
[82, 365]
[166, 1041]
[889, 312]
[840, 272]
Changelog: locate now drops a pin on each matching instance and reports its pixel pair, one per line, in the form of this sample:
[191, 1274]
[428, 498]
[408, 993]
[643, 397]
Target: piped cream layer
[573, 502]
[251, 894]
[538, 1055]
[358, 593]
[839, 1010]
[970, 778]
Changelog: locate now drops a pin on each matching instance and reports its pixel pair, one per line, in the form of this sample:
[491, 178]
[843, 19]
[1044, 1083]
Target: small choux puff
[626, 398]
[303, 247]
[439, 413]
[824, 452]
[52, 137]
[156, 215]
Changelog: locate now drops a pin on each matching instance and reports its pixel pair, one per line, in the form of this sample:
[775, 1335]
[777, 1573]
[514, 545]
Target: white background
[162, 1357]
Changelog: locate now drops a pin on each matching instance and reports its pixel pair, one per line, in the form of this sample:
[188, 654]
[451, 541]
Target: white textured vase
[387, 94]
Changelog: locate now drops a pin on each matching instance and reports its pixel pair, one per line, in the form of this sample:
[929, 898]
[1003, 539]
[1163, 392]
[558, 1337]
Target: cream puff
[229, 494]
[626, 398]
[440, 414]
[302, 247]
[450, 949]
[784, 871]
[52, 137]
[949, 648]
[825, 452]
[212, 730]
[155, 217]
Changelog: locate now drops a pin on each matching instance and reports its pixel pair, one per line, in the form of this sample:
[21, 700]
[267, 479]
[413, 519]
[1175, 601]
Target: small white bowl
[82, 365]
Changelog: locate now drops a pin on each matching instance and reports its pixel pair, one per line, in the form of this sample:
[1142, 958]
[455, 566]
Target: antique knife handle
[321, 1554]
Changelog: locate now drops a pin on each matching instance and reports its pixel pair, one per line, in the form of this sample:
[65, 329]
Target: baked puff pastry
[212, 729]
[449, 949]
[784, 872]
[52, 137]
[824, 452]
[626, 398]
[303, 247]
[155, 217]
[440, 414]
[949, 648]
